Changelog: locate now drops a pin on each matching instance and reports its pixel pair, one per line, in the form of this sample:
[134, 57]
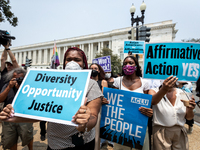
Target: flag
[54, 59]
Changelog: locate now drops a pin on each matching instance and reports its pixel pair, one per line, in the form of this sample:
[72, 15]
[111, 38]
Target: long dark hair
[101, 74]
[138, 71]
[81, 54]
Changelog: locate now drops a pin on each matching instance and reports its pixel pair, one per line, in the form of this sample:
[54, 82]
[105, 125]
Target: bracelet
[7, 49]
[82, 133]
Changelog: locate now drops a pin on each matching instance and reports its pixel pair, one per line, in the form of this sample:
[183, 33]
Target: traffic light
[144, 34]
[131, 36]
[24, 66]
[28, 62]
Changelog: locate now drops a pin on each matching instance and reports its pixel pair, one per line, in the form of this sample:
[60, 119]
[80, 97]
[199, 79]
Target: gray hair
[9, 75]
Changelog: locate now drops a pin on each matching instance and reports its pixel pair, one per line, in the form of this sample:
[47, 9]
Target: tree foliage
[115, 60]
[5, 13]
[192, 40]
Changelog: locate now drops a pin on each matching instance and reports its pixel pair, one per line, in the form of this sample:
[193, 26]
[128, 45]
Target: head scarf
[80, 52]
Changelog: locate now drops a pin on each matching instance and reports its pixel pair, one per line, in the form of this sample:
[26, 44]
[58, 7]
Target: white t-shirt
[144, 86]
[165, 114]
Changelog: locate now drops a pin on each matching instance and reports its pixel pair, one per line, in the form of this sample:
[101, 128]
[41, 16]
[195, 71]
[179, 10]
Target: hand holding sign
[146, 111]
[82, 118]
[7, 112]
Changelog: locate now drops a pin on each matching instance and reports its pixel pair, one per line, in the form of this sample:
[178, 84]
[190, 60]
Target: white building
[41, 53]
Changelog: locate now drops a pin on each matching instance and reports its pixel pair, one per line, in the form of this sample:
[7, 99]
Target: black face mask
[94, 73]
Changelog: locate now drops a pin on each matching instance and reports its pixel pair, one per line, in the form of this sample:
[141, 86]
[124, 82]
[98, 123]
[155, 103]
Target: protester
[66, 137]
[169, 116]
[11, 131]
[110, 79]
[98, 75]
[132, 81]
[7, 66]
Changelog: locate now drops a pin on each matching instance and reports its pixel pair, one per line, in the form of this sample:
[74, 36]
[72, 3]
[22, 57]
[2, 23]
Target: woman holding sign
[66, 137]
[169, 116]
[132, 81]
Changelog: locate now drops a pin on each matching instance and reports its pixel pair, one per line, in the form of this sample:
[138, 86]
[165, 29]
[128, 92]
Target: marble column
[40, 57]
[24, 58]
[99, 47]
[89, 52]
[20, 58]
[110, 44]
[29, 55]
[82, 47]
[45, 56]
[34, 57]
[92, 52]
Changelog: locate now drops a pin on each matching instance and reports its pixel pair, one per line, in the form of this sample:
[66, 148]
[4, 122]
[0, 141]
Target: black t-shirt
[2, 81]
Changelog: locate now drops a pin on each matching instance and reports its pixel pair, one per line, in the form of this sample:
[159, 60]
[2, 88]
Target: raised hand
[169, 82]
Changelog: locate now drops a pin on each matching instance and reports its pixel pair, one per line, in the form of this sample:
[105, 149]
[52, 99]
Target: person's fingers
[172, 81]
[4, 115]
[166, 80]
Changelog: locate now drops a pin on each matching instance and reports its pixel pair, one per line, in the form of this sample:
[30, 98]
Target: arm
[167, 84]
[189, 110]
[3, 59]
[4, 94]
[104, 83]
[13, 59]
[87, 115]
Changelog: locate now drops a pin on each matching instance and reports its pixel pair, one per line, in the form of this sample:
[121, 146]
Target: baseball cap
[9, 62]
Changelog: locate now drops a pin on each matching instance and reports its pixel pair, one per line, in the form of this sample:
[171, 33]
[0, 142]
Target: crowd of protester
[162, 126]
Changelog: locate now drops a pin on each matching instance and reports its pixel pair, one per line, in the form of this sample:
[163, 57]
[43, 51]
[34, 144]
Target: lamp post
[137, 19]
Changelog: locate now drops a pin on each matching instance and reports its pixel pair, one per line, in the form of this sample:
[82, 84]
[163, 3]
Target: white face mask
[72, 65]
[107, 75]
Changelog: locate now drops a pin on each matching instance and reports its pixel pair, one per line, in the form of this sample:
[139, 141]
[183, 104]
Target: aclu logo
[139, 101]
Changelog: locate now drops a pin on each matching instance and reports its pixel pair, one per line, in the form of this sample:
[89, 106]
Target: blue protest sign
[179, 59]
[121, 120]
[136, 47]
[104, 62]
[51, 95]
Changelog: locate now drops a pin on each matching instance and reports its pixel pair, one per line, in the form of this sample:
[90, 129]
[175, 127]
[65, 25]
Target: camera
[19, 80]
[5, 37]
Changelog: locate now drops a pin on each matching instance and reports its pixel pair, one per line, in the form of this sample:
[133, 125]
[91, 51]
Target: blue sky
[46, 20]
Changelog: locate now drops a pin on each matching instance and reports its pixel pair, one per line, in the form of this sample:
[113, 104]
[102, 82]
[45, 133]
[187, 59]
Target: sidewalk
[42, 145]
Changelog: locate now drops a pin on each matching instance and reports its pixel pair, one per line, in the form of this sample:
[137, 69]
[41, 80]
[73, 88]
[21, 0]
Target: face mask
[107, 75]
[94, 73]
[128, 70]
[72, 65]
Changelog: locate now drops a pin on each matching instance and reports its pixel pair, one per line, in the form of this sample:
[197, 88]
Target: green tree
[115, 60]
[5, 13]
[192, 40]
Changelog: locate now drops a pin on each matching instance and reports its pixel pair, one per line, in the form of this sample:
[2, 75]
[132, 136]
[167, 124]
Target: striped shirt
[60, 135]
